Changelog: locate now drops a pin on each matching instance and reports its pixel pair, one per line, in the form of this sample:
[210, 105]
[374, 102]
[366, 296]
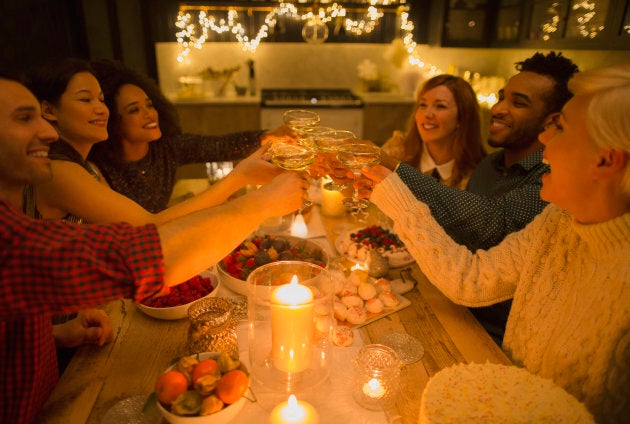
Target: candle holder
[376, 376]
[212, 328]
[290, 325]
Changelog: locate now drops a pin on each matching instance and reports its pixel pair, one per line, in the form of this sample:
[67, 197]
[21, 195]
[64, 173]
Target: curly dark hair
[112, 75]
[558, 68]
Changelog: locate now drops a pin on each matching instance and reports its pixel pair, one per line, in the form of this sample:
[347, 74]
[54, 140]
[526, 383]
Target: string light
[194, 34]
[587, 17]
[551, 26]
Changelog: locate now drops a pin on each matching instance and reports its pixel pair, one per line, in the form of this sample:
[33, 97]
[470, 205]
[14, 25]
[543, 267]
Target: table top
[99, 378]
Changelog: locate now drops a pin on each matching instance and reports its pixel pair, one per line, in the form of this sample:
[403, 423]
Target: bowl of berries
[175, 304]
[261, 250]
[205, 388]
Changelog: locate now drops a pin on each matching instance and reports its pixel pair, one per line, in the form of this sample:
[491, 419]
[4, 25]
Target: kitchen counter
[385, 98]
[214, 100]
[367, 97]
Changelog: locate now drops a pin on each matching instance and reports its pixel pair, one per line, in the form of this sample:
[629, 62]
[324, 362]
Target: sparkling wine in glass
[354, 157]
[299, 120]
[328, 144]
[294, 157]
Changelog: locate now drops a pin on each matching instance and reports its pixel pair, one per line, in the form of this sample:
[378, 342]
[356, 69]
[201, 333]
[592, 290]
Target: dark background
[33, 32]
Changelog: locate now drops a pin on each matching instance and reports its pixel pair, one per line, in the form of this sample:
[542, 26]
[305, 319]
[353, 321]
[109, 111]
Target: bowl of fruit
[261, 250]
[208, 388]
[175, 304]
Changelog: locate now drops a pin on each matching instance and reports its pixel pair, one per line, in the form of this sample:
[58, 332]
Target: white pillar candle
[332, 202]
[292, 326]
[294, 411]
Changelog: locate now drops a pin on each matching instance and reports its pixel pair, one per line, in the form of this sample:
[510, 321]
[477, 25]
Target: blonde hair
[607, 120]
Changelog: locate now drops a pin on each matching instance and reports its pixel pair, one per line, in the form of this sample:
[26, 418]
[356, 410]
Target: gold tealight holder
[376, 376]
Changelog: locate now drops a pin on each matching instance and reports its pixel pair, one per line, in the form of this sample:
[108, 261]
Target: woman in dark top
[146, 144]
[72, 100]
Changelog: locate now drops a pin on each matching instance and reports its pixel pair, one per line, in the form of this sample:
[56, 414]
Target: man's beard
[518, 139]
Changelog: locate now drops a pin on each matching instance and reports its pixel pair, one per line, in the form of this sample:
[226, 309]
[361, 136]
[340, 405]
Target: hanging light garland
[583, 21]
[193, 34]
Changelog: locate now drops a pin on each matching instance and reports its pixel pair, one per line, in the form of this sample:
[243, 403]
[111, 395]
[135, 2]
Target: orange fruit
[170, 385]
[232, 386]
[205, 367]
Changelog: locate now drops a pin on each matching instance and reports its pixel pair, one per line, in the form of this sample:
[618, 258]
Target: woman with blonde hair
[444, 132]
[568, 270]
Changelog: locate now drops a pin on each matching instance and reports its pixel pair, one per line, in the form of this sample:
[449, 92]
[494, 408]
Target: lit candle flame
[374, 389]
[299, 228]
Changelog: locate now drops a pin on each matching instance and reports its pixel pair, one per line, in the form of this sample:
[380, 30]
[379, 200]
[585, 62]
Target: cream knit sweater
[570, 283]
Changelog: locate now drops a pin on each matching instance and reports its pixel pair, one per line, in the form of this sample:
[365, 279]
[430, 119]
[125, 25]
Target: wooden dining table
[97, 378]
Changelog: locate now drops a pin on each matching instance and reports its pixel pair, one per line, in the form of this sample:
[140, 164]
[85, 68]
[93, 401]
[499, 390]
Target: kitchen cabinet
[537, 24]
[381, 119]
[214, 119]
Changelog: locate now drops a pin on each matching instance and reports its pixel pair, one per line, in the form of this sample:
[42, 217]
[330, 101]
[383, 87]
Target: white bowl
[225, 415]
[181, 311]
[240, 286]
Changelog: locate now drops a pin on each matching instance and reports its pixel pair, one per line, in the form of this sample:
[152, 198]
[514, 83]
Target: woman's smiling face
[572, 157]
[138, 116]
[81, 114]
[436, 116]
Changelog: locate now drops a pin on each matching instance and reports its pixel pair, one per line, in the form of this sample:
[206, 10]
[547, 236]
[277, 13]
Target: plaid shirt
[51, 267]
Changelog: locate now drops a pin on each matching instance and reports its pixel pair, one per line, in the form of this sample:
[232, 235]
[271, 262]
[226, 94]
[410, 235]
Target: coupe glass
[328, 144]
[294, 157]
[300, 120]
[354, 157]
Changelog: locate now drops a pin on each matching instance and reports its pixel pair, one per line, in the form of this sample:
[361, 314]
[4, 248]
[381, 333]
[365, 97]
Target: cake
[357, 245]
[492, 393]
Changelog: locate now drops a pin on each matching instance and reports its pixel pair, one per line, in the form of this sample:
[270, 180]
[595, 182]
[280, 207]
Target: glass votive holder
[290, 325]
[212, 328]
[376, 376]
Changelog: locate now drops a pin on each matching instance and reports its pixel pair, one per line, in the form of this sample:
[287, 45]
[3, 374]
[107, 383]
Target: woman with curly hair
[146, 144]
[444, 132]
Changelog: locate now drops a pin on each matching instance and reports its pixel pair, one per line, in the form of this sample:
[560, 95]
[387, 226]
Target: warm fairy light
[193, 34]
[586, 30]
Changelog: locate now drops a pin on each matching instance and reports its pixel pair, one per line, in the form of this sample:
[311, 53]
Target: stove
[309, 97]
[337, 108]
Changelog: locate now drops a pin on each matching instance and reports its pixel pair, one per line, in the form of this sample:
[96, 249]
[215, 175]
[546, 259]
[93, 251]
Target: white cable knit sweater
[570, 317]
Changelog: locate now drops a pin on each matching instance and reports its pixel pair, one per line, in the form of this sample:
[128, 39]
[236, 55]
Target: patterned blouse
[150, 181]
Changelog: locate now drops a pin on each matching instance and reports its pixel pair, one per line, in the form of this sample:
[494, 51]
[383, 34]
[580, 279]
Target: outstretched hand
[256, 169]
[376, 173]
[91, 326]
[284, 194]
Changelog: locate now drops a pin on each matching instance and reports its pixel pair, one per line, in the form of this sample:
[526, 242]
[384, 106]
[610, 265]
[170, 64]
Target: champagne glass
[328, 144]
[299, 120]
[354, 157]
[294, 157]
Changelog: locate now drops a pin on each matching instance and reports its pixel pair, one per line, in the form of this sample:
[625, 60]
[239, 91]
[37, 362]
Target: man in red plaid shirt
[52, 267]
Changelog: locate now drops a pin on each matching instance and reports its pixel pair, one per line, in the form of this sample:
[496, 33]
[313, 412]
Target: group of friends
[533, 237]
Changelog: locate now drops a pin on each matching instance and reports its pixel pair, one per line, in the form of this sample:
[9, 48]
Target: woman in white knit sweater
[568, 272]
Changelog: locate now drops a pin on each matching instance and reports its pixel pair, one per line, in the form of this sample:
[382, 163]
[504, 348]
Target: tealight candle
[294, 412]
[374, 389]
[299, 228]
[377, 375]
[291, 326]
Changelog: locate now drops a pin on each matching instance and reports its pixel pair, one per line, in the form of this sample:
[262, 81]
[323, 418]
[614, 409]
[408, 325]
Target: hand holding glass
[354, 157]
